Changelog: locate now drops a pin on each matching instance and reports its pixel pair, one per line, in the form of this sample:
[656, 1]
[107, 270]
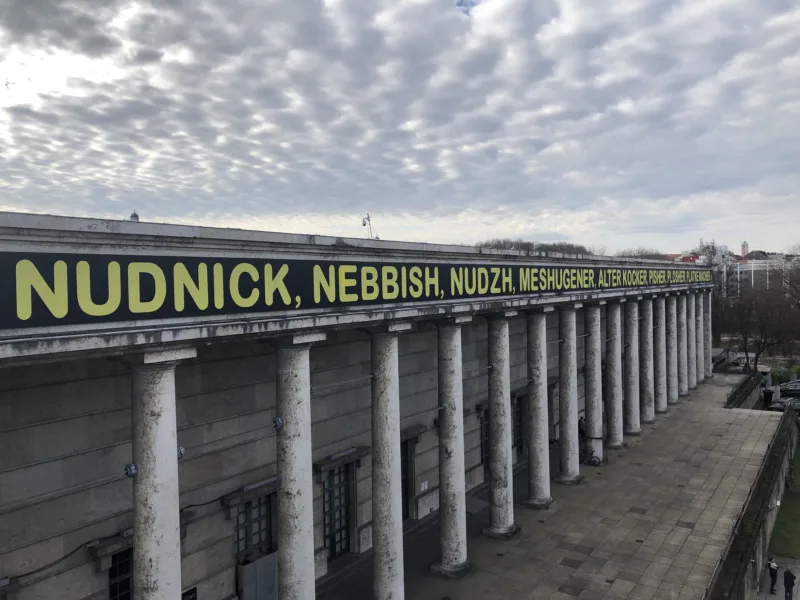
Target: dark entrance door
[405, 479]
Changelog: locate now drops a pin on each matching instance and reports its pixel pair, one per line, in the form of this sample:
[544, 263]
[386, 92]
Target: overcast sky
[616, 123]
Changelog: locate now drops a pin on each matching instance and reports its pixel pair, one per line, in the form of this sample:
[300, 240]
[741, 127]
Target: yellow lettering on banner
[508, 286]
[573, 279]
[324, 284]
[534, 285]
[590, 274]
[390, 288]
[236, 292]
[551, 280]
[182, 282]
[403, 282]
[432, 281]
[28, 280]
[494, 288]
[135, 302]
[483, 280]
[369, 283]
[470, 281]
[219, 286]
[346, 282]
[525, 279]
[415, 288]
[456, 281]
[276, 283]
[84, 289]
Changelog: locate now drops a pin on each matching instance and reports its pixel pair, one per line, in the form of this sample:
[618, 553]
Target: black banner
[46, 290]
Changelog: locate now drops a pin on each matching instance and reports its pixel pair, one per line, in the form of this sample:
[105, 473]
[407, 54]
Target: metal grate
[120, 584]
[336, 508]
[255, 524]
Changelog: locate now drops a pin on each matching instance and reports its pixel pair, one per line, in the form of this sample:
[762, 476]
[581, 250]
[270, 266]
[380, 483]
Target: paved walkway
[783, 563]
[652, 523]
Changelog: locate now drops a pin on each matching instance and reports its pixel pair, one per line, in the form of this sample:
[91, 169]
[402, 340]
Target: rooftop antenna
[367, 222]
[134, 217]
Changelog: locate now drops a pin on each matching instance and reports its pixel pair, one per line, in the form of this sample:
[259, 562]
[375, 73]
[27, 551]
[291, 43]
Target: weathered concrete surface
[700, 336]
[156, 535]
[631, 355]
[568, 398]
[683, 358]
[647, 382]
[295, 492]
[614, 378]
[672, 350]
[708, 362]
[452, 504]
[538, 443]
[387, 509]
[660, 353]
[652, 525]
[691, 340]
[593, 378]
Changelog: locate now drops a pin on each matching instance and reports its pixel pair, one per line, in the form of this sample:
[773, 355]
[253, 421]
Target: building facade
[215, 414]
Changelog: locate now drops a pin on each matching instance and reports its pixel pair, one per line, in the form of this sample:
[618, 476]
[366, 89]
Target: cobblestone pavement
[651, 523]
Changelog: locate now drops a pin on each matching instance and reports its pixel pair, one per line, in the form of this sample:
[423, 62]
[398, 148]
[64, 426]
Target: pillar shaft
[452, 498]
[295, 495]
[632, 413]
[538, 442]
[387, 509]
[691, 341]
[500, 461]
[701, 336]
[614, 375]
[568, 398]
[660, 353]
[709, 361]
[672, 350]
[593, 378]
[647, 389]
[156, 507]
[683, 370]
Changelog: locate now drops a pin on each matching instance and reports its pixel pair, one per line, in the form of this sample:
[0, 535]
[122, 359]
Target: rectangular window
[120, 584]
[255, 529]
[336, 510]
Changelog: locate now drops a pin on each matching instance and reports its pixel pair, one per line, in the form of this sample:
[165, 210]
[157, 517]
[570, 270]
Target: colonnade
[666, 350]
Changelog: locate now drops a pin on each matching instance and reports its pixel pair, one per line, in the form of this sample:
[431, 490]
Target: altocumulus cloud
[618, 123]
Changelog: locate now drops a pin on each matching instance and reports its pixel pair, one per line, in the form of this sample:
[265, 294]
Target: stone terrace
[652, 523]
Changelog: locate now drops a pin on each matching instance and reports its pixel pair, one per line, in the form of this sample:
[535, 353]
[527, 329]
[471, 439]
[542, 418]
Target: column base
[647, 421]
[569, 479]
[454, 571]
[673, 403]
[633, 433]
[538, 503]
[612, 446]
[662, 411]
[501, 534]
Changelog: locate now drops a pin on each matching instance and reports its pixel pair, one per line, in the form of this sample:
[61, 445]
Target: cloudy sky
[611, 123]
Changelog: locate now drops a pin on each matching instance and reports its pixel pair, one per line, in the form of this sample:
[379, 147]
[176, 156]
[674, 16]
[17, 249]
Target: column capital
[300, 339]
[389, 328]
[501, 314]
[161, 357]
[540, 309]
[570, 306]
[456, 321]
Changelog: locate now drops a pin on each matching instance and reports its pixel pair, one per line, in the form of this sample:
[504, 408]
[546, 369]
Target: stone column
[614, 375]
[452, 496]
[501, 486]
[672, 350]
[691, 342]
[632, 424]
[387, 502]
[647, 389]
[709, 360]
[568, 440]
[156, 502]
[593, 380]
[538, 436]
[701, 337]
[295, 480]
[683, 369]
[660, 353]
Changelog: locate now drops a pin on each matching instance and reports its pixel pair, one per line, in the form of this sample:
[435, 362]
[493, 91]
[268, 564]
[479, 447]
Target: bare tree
[763, 320]
[527, 246]
[642, 252]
